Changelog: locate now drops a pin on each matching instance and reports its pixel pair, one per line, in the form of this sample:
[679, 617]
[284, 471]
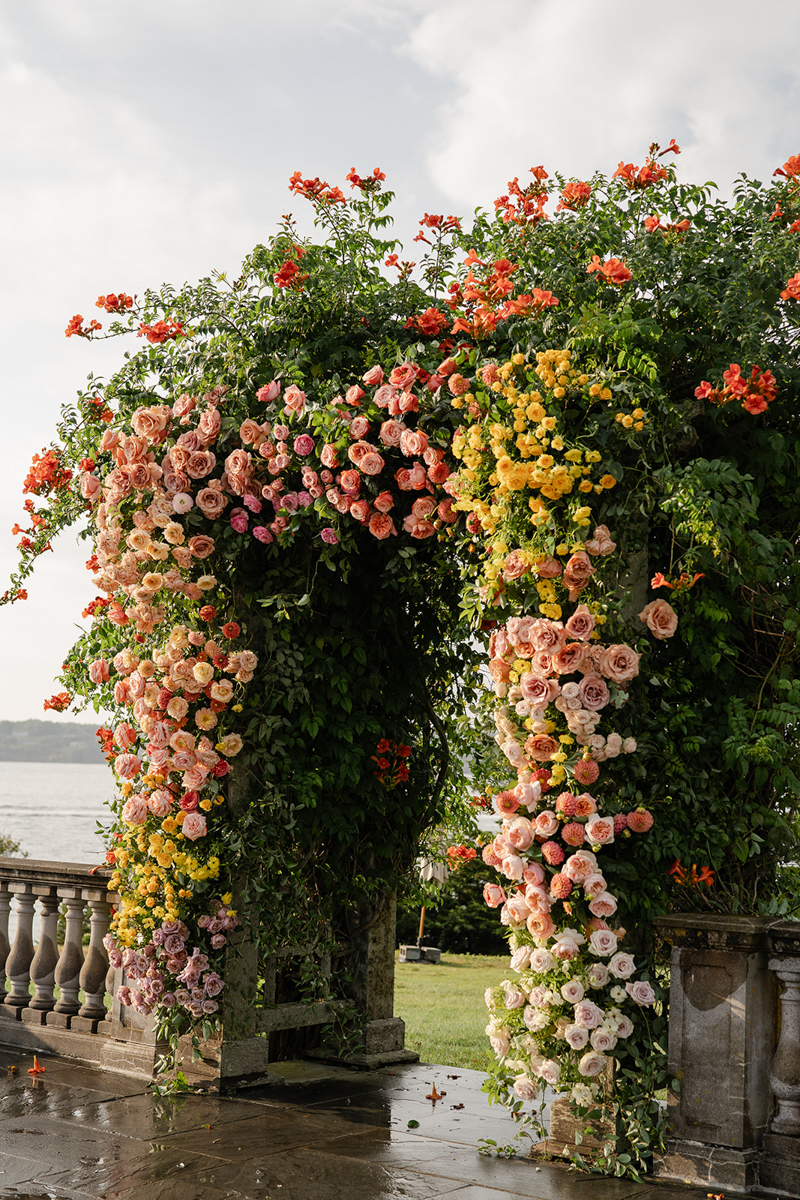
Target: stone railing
[734, 1046]
[263, 1022]
[80, 1020]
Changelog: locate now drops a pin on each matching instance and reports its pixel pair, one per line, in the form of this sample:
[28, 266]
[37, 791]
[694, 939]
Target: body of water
[52, 809]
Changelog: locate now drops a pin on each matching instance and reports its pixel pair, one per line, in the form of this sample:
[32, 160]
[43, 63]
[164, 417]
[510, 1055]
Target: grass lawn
[443, 1007]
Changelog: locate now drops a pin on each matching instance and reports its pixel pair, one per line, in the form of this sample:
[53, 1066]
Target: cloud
[581, 84]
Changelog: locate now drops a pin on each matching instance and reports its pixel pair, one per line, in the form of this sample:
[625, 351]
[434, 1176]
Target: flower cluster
[754, 393]
[391, 760]
[165, 974]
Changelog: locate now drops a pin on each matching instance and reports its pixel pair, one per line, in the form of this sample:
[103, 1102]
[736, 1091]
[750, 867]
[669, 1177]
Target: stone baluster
[5, 909]
[780, 1159]
[93, 974]
[43, 966]
[19, 960]
[70, 963]
[784, 1073]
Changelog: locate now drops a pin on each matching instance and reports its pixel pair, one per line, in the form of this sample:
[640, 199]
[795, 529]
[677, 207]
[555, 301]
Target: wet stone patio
[326, 1133]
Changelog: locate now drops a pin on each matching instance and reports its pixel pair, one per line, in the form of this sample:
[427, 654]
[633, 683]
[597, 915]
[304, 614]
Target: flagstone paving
[327, 1133]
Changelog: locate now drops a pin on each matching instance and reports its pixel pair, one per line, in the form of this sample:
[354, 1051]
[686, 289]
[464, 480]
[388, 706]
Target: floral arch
[571, 431]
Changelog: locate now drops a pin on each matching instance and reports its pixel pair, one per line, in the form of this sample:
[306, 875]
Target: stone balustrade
[264, 1019]
[734, 1047]
[33, 893]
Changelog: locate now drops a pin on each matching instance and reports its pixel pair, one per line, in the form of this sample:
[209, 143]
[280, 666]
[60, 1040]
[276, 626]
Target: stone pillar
[721, 1041]
[780, 1160]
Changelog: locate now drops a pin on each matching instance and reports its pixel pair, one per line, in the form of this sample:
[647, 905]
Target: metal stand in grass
[420, 953]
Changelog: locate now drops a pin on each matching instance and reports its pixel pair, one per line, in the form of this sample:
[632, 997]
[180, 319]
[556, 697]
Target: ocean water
[52, 809]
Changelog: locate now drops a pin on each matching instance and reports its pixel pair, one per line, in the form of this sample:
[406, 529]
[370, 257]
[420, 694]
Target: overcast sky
[152, 142]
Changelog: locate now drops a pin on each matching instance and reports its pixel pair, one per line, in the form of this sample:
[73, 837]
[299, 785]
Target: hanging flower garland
[532, 482]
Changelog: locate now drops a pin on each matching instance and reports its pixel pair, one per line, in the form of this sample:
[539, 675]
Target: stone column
[780, 1160]
[721, 1041]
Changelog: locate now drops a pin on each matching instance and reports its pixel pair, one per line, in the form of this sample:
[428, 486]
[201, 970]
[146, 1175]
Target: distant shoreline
[50, 742]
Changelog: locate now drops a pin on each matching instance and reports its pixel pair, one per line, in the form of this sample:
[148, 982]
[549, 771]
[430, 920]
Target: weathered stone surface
[721, 1033]
[780, 1164]
[704, 1163]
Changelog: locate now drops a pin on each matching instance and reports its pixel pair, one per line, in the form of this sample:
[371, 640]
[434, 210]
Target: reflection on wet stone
[328, 1134]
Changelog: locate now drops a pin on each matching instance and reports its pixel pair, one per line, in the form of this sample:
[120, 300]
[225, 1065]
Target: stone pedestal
[721, 1043]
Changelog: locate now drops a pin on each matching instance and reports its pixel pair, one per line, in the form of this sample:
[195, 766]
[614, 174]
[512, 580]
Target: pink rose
[373, 377]
[541, 747]
[592, 1064]
[194, 826]
[520, 834]
[588, 1015]
[211, 502]
[576, 1036]
[546, 823]
[127, 766]
[569, 659]
[98, 671]
[359, 428]
[540, 925]
[525, 1089]
[372, 463]
[391, 431]
[200, 546]
[640, 992]
[329, 457]
[660, 618]
[603, 905]
[603, 943]
[581, 865]
[412, 442]
[572, 991]
[622, 966]
[567, 945]
[303, 444]
[382, 526]
[134, 810]
[270, 391]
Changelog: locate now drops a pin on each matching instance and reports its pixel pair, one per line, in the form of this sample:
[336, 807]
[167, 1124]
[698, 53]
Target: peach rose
[541, 747]
[391, 432]
[581, 624]
[660, 618]
[211, 502]
[600, 542]
[577, 573]
[620, 663]
[201, 546]
[208, 426]
[514, 565]
[593, 692]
